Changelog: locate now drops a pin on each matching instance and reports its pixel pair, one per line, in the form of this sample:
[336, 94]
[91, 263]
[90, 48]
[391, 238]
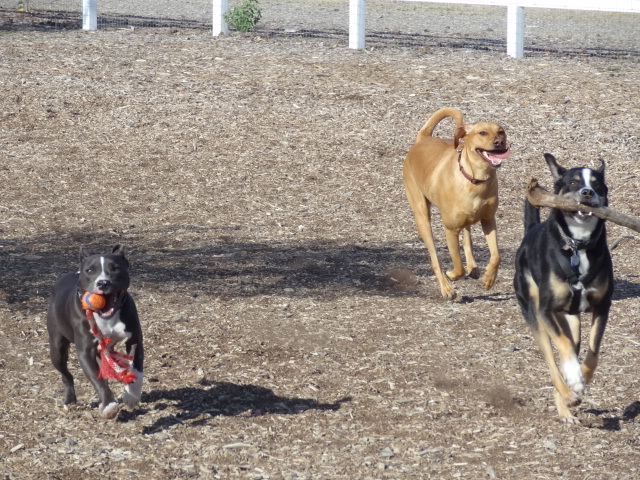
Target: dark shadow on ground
[613, 423]
[224, 267]
[230, 268]
[624, 289]
[213, 399]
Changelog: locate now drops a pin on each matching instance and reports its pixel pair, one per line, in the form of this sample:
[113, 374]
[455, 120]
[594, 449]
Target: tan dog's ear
[460, 133]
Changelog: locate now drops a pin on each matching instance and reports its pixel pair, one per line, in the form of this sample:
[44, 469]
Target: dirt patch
[293, 327]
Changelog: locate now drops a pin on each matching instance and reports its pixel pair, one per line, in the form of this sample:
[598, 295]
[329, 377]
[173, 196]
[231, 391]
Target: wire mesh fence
[388, 23]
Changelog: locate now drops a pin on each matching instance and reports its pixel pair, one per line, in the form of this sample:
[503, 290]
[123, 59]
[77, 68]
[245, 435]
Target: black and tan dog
[563, 268]
[460, 179]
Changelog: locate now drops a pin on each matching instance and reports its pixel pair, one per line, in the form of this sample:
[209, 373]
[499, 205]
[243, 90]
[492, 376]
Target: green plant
[244, 16]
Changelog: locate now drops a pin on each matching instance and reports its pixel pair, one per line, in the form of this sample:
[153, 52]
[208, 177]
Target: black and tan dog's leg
[568, 381]
[491, 235]
[467, 246]
[598, 324]
[574, 326]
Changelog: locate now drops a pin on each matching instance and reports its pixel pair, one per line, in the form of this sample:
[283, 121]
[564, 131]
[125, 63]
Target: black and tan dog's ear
[601, 169]
[118, 250]
[556, 170]
[460, 133]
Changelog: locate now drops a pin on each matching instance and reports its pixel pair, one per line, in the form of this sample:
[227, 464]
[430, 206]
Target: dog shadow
[219, 398]
[612, 424]
[624, 289]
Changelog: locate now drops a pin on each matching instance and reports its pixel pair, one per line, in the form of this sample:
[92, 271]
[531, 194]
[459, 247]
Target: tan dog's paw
[449, 295]
[455, 275]
[447, 290]
[489, 278]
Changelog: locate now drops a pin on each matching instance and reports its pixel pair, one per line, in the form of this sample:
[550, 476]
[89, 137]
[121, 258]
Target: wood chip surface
[293, 326]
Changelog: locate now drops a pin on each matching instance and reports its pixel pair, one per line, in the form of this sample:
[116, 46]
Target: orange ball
[93, 301]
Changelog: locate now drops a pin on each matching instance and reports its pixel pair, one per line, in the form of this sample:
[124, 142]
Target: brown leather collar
[475, 181]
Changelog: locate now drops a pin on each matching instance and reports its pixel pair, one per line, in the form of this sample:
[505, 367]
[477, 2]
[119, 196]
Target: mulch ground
[293, 327]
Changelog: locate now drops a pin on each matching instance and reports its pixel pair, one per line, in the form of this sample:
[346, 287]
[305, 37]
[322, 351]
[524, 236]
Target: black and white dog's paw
[110, 411]
[133, 392]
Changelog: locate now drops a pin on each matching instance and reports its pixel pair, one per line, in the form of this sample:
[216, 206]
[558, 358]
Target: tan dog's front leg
[467, 245]
[424, 227]
[490, 234]
[422, 212]
[453, 242]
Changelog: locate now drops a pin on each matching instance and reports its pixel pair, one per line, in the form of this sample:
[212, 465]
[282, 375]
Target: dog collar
[473, 180]
[575, 245]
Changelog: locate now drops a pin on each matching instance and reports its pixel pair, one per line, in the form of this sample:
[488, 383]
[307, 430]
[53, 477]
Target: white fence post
[220, 7]
[515, 15]
[356, 24]
[89, 14]
[515, 31]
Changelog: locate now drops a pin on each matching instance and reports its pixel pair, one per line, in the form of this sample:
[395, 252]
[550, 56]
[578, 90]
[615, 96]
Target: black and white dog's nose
[103, 284]
[587, 193]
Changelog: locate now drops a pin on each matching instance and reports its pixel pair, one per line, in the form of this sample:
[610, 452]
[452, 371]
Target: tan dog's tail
[436, 118]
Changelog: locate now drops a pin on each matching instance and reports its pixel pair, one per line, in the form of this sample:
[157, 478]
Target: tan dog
[462, 183]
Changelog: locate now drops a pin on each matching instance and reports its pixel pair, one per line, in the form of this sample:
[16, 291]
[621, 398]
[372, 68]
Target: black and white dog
[563, 268]
[67, 322]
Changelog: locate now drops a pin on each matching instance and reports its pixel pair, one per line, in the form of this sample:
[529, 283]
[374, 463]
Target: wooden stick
[539, 197]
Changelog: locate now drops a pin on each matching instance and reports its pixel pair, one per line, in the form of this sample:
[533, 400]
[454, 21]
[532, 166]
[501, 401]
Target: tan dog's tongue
[501, 156]
[495, 159]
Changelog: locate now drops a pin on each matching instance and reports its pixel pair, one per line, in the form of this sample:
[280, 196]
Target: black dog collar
[575, 245]
[571, 265]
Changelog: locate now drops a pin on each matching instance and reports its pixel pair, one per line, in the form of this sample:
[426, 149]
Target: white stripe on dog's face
[586, 177]
[102, 276]
[581, 228]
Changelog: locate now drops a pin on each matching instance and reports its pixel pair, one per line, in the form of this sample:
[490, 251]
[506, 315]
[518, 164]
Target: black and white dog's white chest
[113, 327]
